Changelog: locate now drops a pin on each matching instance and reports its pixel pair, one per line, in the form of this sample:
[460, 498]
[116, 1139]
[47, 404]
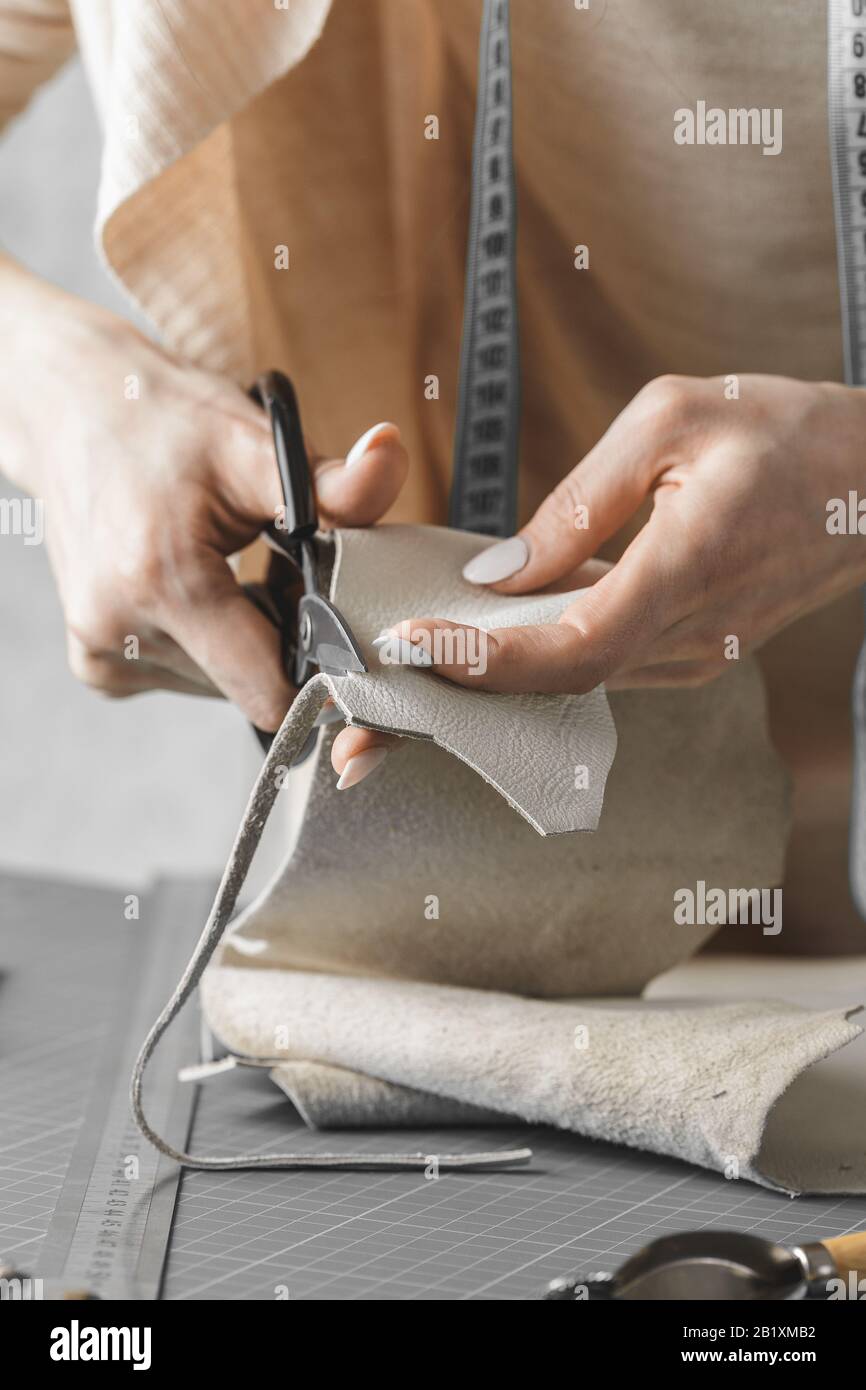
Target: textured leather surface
[526, 746]
[334, 1098]
[693, 1078]
[696, 792]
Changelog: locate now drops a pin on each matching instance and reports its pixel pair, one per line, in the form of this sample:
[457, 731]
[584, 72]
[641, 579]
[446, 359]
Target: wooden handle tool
[848, 1254]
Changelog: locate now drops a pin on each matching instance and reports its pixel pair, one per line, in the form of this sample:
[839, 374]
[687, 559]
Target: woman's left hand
[741, 540]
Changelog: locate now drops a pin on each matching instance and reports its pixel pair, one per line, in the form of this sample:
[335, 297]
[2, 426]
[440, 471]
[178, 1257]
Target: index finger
[616, 618]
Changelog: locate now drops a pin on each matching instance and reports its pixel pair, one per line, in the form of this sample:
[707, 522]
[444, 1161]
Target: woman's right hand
[151, 474]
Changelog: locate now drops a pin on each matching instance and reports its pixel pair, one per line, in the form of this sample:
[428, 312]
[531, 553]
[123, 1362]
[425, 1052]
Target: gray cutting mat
[464, 1236]
[85, 1201]
[62, 950]
[254, 1235]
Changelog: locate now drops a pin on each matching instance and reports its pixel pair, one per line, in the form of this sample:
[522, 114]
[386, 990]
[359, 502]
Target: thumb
[355, 491]
[358, 490]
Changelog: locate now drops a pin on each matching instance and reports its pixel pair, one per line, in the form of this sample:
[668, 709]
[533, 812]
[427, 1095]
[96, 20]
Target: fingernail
[367, 441]
[360, 766]
[398, 651]
[497, 562]
[329, 714]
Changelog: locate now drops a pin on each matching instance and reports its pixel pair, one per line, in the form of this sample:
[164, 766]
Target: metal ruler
[484, 486]
[846, 105]
[109, 1233]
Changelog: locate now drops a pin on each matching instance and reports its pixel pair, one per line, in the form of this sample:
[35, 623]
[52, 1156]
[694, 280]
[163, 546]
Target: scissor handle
[275, 392]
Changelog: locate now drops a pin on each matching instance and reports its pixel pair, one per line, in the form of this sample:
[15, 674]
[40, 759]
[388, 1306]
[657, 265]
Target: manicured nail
[499, 561]
[398, 651]
[360, 766]
[329, 714]
[367, 441]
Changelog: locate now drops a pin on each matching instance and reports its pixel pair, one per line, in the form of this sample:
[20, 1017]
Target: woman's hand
[737, 544]
[151, 473]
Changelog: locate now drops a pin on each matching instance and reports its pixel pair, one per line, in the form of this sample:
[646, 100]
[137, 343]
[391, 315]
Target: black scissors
[318, 637]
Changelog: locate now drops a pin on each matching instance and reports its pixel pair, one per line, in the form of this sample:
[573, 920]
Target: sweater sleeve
[36, 38]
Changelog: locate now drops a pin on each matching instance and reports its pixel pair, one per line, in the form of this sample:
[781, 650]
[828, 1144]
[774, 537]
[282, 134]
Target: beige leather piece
[334, 1098]
[695, 1079]
[527, 746]
[812, 1138]
[815, 1136]
[390, 958]
[424, 872]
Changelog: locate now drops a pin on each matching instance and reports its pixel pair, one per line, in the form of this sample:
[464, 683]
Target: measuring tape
[484, 486]
[846, 104]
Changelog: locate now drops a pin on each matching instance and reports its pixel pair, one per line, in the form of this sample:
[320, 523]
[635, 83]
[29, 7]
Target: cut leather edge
[332, 575]
[755, 1168]
[305, 1084]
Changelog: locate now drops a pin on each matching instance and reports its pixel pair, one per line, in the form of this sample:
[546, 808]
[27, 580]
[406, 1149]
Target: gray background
[114, 791]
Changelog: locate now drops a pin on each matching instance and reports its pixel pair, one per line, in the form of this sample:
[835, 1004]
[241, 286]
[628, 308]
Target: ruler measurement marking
[846, 98]
[484, 487]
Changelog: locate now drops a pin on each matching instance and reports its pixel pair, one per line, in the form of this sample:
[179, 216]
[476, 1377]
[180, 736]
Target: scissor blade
[334, 648]
[336, 661]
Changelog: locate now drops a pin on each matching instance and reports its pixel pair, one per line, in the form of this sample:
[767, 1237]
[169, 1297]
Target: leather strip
[284, 749]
